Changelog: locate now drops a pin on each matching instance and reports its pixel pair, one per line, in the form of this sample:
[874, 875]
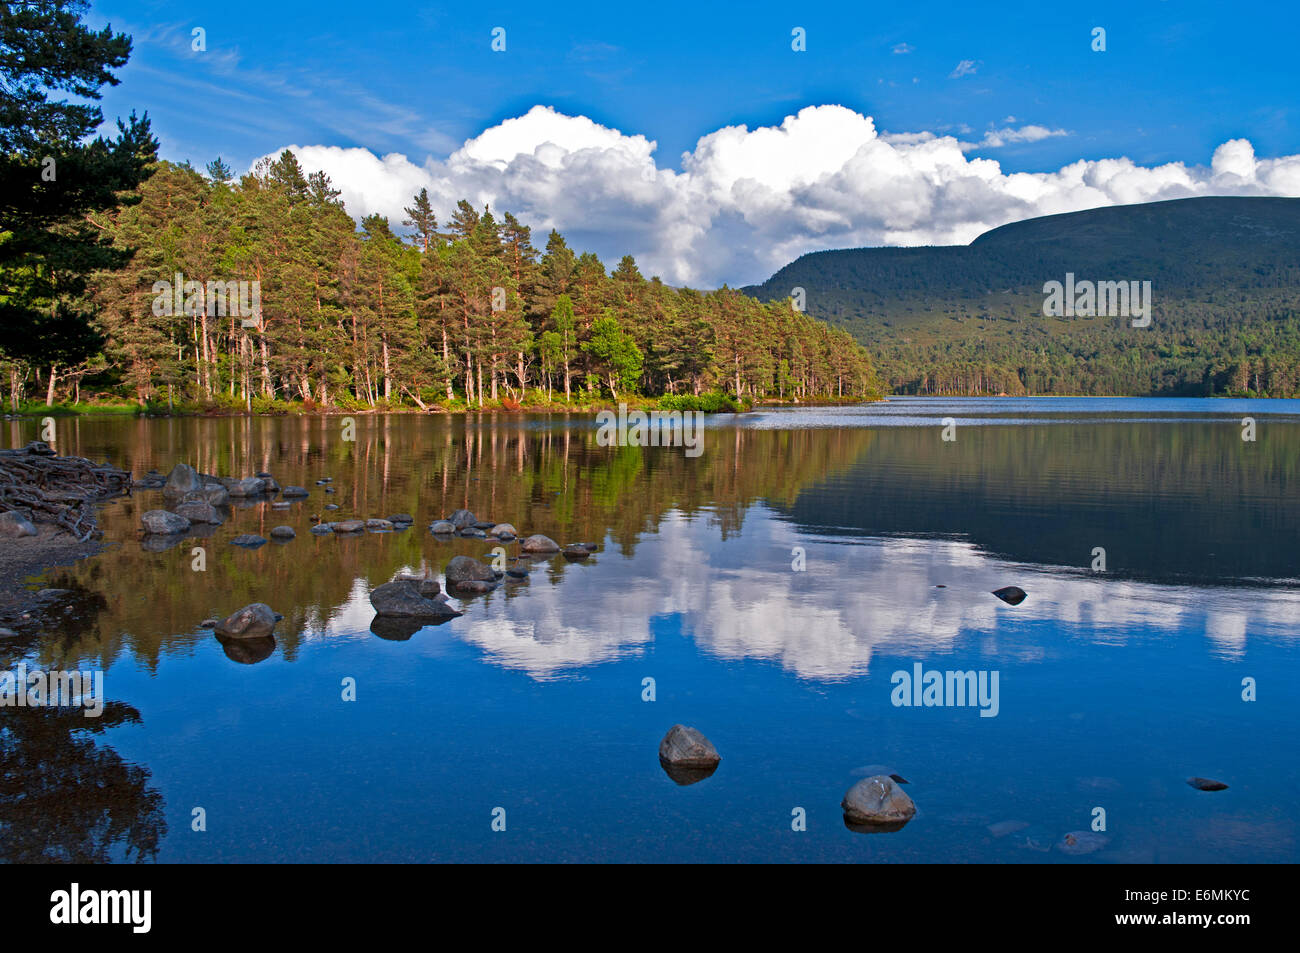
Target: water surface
[1115, 686]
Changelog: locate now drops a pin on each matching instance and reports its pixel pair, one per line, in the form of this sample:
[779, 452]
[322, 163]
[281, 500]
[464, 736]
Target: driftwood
[47, 488]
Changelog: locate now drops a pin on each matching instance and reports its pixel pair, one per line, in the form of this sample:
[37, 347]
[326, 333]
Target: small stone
[1207, 784]
[163, 523]
[877, 802]
[503, 530]
[401, 518]
[484, 525]
[378, 526]
[323, 529]
[462, 519]
[249, 540]
[254, 621]
[294, 492]
[473, 532]
[576, 551]
[196, 511]
[182, 480]
[331, 506]
[687, 747]
[466, 569]
[1011, 595]
[404, 598]
[349, 526]
[442, 528]
[329, 489]
[539, 544]
[283, 532]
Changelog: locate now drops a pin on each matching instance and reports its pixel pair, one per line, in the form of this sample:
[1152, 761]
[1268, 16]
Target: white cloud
[902, 48]
[748, 201]
[964, 68]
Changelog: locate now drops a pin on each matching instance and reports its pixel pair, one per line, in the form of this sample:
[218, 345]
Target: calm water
[1114, 687]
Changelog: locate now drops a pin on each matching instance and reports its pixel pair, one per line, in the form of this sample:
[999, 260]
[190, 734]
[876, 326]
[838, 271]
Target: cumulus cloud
[747, 201]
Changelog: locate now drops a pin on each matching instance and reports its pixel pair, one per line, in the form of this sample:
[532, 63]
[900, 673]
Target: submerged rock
[1003, 828]
[401, 518]
[378, 526]
[283, 532]
[323, 529]
[576, 551]
[249, 540]
[163, 523]
[1011, 595]
[472, 532]
[403, 598]
[349, 526]
[254, 621]
[463, 569]
[294, 492]
[503, 531]
[877, 803]
[442, 527]
[1082, 842]
[331, 506]
[538, 543]
[1207, 784]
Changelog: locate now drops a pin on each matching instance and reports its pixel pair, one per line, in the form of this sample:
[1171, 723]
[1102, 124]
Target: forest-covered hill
[1225, 281]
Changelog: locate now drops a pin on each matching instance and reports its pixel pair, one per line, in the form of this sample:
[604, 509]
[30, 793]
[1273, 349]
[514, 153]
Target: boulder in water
[163, 523]
[1207, 784]
[442, 527]
[283, 532]
[197, 511]
[403, 598]
[462, 519]
[538, 543]
[294, 492]
[465, 569]
[254, 621]
[877, 804]
[182, 480]
[1011, 595]
[249, 540]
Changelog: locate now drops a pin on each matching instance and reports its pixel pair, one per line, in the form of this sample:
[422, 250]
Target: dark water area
[771, 587]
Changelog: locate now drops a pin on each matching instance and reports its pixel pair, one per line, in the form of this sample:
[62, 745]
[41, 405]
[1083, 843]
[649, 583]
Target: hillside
[1225, 276]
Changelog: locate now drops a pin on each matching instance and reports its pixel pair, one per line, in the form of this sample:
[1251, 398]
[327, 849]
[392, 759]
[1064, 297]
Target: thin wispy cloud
[964, 68]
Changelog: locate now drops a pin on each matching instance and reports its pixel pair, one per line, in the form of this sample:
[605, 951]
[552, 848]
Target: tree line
[466, 313]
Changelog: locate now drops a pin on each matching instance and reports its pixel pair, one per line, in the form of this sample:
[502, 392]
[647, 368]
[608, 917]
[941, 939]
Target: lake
[770, 587]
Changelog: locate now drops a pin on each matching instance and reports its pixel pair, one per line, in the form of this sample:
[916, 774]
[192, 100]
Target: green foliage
[710, 403]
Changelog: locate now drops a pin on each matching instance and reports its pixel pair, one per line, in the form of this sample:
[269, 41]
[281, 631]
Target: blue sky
[1177, 80]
